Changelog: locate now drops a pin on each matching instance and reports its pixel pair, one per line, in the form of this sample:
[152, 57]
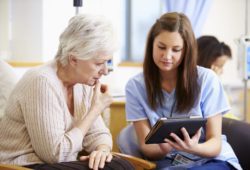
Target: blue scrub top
[210, 102]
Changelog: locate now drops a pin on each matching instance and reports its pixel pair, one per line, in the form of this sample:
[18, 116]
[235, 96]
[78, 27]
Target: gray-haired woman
[54, 112]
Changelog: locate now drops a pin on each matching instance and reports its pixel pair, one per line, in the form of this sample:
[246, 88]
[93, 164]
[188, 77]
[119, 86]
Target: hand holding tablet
[163, 127]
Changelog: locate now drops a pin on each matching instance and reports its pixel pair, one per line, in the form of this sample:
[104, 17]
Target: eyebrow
[175, 46]
[100, 60]
[161, 43]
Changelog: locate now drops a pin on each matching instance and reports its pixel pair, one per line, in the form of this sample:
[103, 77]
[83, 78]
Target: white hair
[86, 36]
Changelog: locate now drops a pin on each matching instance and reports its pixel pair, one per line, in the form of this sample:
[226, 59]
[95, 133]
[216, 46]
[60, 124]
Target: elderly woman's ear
[72, 60]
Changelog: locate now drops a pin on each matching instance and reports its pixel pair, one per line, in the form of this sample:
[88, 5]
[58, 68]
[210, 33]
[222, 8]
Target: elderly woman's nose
[104, 70]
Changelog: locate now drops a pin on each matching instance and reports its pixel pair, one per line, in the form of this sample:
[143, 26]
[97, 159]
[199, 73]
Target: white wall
[36, 25]
[4, 29]
[226, 20]
[26, 28]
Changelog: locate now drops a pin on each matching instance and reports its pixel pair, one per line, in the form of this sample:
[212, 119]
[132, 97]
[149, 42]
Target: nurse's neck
[168, 81]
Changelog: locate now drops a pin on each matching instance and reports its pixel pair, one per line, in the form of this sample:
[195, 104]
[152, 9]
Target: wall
[39, 41]
[4, 29]
[226, 20]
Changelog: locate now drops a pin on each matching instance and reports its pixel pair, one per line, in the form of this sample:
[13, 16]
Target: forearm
[97, 135]
[151, 151]
[85, 123]
[210, 148]
[154, 151]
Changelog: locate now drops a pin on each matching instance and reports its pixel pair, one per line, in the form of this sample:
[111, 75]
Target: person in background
[213, 54]
[173, 86]
[54, 111]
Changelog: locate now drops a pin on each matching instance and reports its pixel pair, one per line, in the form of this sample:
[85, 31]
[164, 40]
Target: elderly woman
[54, 112]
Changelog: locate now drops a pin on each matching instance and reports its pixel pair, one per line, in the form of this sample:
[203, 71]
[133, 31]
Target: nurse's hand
[165, 147]
[188, 144]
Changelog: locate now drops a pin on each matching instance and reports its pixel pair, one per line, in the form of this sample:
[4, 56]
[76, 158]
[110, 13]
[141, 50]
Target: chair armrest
[12, 167]
[137, 162]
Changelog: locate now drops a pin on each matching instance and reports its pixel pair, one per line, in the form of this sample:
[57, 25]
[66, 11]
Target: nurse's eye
[177, 50]
[161, 47]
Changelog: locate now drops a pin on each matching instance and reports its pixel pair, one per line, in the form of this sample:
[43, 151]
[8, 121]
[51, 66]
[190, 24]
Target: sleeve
[135, 100]
[98, 134]
[213, 99]
[45, 121]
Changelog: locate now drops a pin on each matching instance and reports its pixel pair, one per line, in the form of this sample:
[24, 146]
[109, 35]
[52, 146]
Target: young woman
[173, 86]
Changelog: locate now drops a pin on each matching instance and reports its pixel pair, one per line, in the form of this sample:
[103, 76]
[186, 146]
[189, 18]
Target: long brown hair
[187, 85]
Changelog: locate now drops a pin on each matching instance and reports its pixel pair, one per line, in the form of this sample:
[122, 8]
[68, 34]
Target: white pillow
[8, 79]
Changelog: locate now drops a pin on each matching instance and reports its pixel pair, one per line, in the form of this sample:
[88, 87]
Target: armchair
[238, 135]
[12, 167]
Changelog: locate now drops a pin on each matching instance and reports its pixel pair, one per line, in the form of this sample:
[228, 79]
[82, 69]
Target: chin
[91, 83]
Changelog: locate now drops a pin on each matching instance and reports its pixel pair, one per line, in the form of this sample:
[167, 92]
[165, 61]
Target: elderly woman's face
[90, 71]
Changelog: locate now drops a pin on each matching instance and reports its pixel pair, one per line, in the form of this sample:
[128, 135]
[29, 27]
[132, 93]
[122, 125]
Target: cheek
[179, 58]
[156, 53]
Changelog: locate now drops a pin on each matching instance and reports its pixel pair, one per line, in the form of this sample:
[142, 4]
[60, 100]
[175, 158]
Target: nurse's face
[167, 51]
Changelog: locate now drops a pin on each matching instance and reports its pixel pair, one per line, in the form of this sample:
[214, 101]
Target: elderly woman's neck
[64, 74]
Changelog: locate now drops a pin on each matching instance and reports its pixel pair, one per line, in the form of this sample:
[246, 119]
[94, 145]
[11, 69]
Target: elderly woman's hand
[98, 158]
[101, 98]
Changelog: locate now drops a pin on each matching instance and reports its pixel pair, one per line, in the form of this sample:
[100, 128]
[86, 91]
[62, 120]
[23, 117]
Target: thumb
[198, 134]
[84, 158]
[97, 87]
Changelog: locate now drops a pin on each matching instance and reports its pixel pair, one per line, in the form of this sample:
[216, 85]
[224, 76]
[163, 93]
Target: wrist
[103, 148]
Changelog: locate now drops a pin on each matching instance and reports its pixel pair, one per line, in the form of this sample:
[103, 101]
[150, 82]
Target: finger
[102, 160]
[97, 90]
[97, 161]
[171, 143]
[92, 160]
[175, 137]
[185, 134]
[84, 158]
[110, 157]
[197, 134]
[97, 86]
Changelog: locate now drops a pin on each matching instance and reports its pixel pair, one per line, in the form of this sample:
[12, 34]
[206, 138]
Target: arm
[98, 140]
[212, 104]
[212, 146]
[47, 120]
[92, 122]
[44, 112]
[151, 151]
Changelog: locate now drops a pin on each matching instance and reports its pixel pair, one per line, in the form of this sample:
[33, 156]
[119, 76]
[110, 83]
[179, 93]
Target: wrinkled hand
[188, 144]
[101, 98]
[98, 158]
